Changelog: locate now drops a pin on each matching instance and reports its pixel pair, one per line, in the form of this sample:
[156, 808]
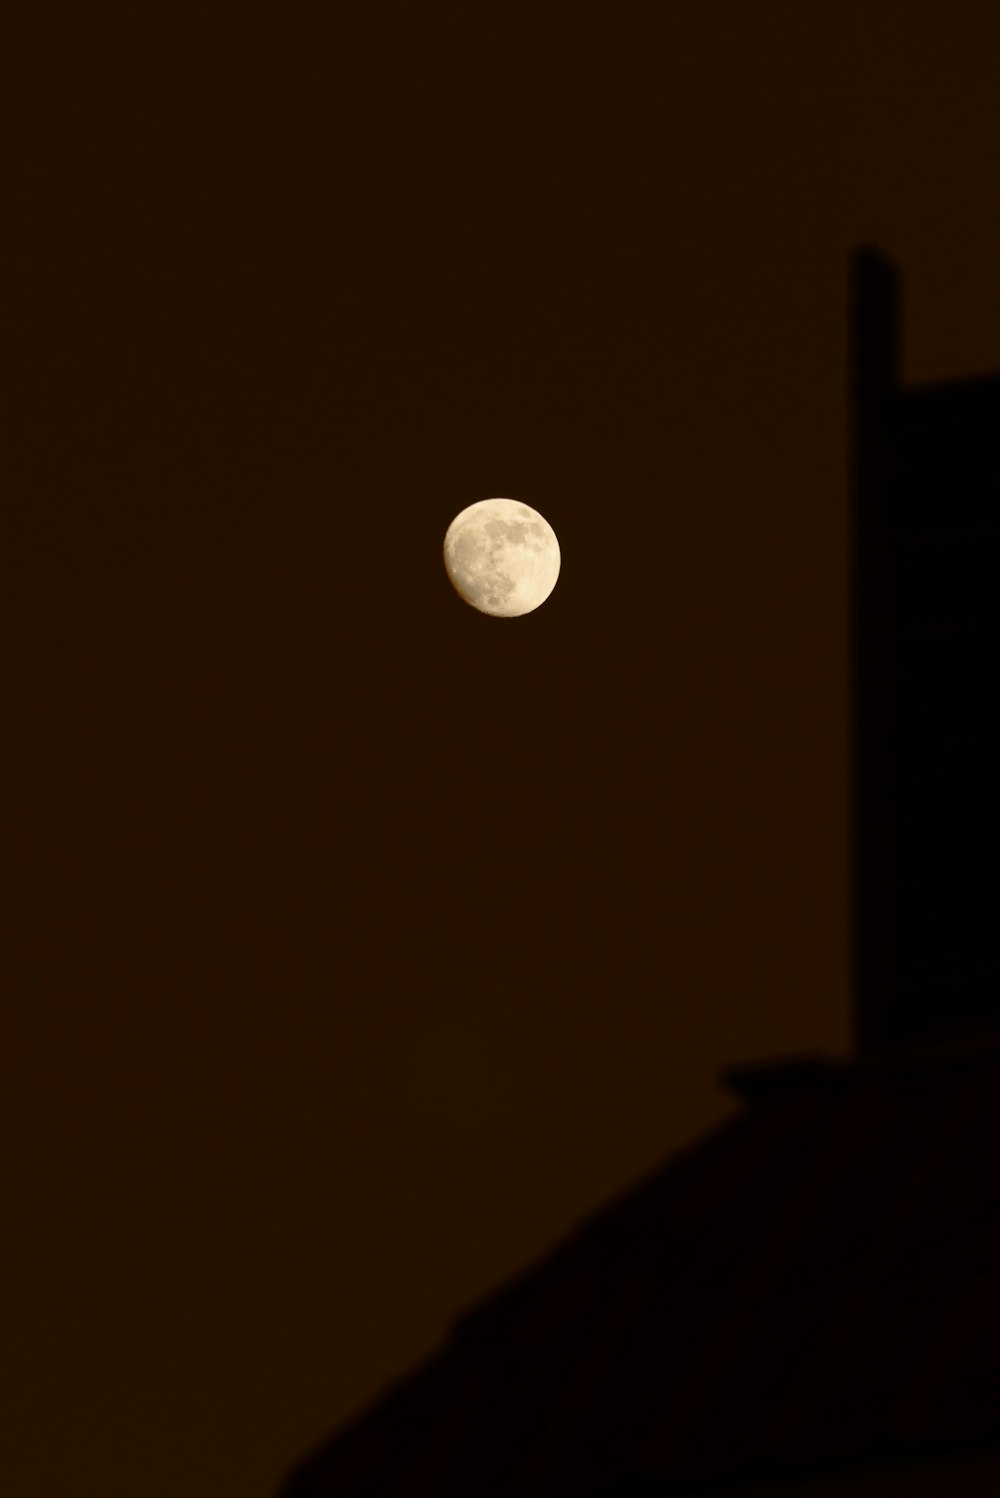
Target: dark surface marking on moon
[519, 533]
[474, 563]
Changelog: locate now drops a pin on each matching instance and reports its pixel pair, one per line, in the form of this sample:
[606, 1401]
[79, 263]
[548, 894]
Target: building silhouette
[807, 1300]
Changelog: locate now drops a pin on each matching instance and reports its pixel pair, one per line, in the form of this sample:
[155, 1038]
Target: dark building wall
[927, 691]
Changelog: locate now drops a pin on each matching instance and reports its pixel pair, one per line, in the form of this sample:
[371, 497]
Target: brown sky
[359, 944]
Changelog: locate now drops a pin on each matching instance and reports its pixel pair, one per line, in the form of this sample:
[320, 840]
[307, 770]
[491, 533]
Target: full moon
[502, 557]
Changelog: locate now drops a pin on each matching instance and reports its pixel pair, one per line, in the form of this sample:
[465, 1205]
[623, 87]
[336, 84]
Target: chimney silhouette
[926, 692]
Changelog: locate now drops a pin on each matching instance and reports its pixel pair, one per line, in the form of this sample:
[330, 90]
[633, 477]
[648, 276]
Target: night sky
[358, 944]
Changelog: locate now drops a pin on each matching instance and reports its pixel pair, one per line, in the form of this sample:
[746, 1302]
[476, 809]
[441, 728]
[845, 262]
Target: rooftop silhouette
[809, 1296]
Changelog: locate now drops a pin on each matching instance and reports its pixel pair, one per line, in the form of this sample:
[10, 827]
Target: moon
[502, 557]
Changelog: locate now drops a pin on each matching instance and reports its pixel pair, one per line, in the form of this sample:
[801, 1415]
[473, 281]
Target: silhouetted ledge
[816, 1071]
[785, 1074]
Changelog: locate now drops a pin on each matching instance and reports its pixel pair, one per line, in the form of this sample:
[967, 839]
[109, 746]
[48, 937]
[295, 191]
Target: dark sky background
[358, 944]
